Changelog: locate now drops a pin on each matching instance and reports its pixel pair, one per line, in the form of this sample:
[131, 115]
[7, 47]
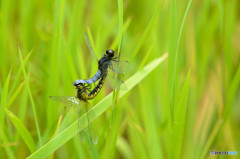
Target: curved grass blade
[98, 109]
[15, 94]
[111, 138]
[18, 76]
[24, 133]
[179, 119]
[55, 133]
[174, 43]
[3, 103]
[30, 95]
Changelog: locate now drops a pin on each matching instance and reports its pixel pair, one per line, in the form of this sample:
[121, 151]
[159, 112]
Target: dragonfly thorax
[104, 62]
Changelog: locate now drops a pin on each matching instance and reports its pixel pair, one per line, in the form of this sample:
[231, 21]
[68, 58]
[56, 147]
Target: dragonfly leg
[115, 60]
[88, 87]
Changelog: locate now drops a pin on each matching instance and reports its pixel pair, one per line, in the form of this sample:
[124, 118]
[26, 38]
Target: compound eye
[110, 52]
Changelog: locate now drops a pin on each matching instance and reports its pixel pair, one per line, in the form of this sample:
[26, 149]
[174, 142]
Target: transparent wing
[93, 127]
[71, 107]
[123, 64]
[91, 130]
[110, 80]
[120, 66]
[92, 52]
[83, 133]
[67, 100]
[75, 111]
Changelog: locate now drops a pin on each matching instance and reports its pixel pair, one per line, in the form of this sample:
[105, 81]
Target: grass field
[181, 95]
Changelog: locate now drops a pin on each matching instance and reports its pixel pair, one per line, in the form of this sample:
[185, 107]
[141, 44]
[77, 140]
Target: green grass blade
[137, 77]
[173, 62]
[56, 54]
[18, 76]
[15, 94]
[146, 31]
[171, 59]
[217, 126]
[112, 135]
[232, 90]
[4, 18]
[179, 119]
[30, 95]
[2, 114]
[98, 109]
[173, 48]
[24, 133]
[145, 58]
[4, 97]
[120, 23]
[125, 27]
[221, 122]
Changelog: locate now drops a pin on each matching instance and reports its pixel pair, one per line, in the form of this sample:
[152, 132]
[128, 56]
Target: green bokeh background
[186, 107]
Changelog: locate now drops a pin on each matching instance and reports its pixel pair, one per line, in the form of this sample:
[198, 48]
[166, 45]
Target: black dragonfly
[108, 61]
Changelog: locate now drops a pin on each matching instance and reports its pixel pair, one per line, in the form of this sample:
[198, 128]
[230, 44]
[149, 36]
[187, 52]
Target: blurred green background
[186, 107]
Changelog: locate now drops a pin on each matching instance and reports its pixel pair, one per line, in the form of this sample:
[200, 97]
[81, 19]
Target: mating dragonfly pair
[83, 86]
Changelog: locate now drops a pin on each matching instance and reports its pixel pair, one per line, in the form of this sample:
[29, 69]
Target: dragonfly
[104, 64]
[84, 93]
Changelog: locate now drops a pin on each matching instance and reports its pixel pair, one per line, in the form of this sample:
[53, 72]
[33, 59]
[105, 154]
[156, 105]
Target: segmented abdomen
[83, 95]
[95, 78]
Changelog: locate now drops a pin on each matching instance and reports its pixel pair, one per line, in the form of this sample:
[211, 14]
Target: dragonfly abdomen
[95, 78]
[82, 93]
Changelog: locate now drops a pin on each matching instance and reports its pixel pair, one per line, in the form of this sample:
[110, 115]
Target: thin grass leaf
[18, 76]
[30, 95]
[179, 119]
[231, 93]
[173, 63]
[15, 94]
[5, 11]
[217, 126]
[174, 47]
[171, 60]
[2, 114]
[146, 31]
[5, 142]
[55, 133]
[58, 126]
[221, 122]
[116, 40]
[229, 21]
[24, 133]
[98, 109]
[55, 60]
[4, 98]
[112, 135]
[145, 58]
[116, 88]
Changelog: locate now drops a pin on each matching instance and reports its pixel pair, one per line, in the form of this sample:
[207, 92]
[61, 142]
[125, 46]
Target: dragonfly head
[110, 53]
